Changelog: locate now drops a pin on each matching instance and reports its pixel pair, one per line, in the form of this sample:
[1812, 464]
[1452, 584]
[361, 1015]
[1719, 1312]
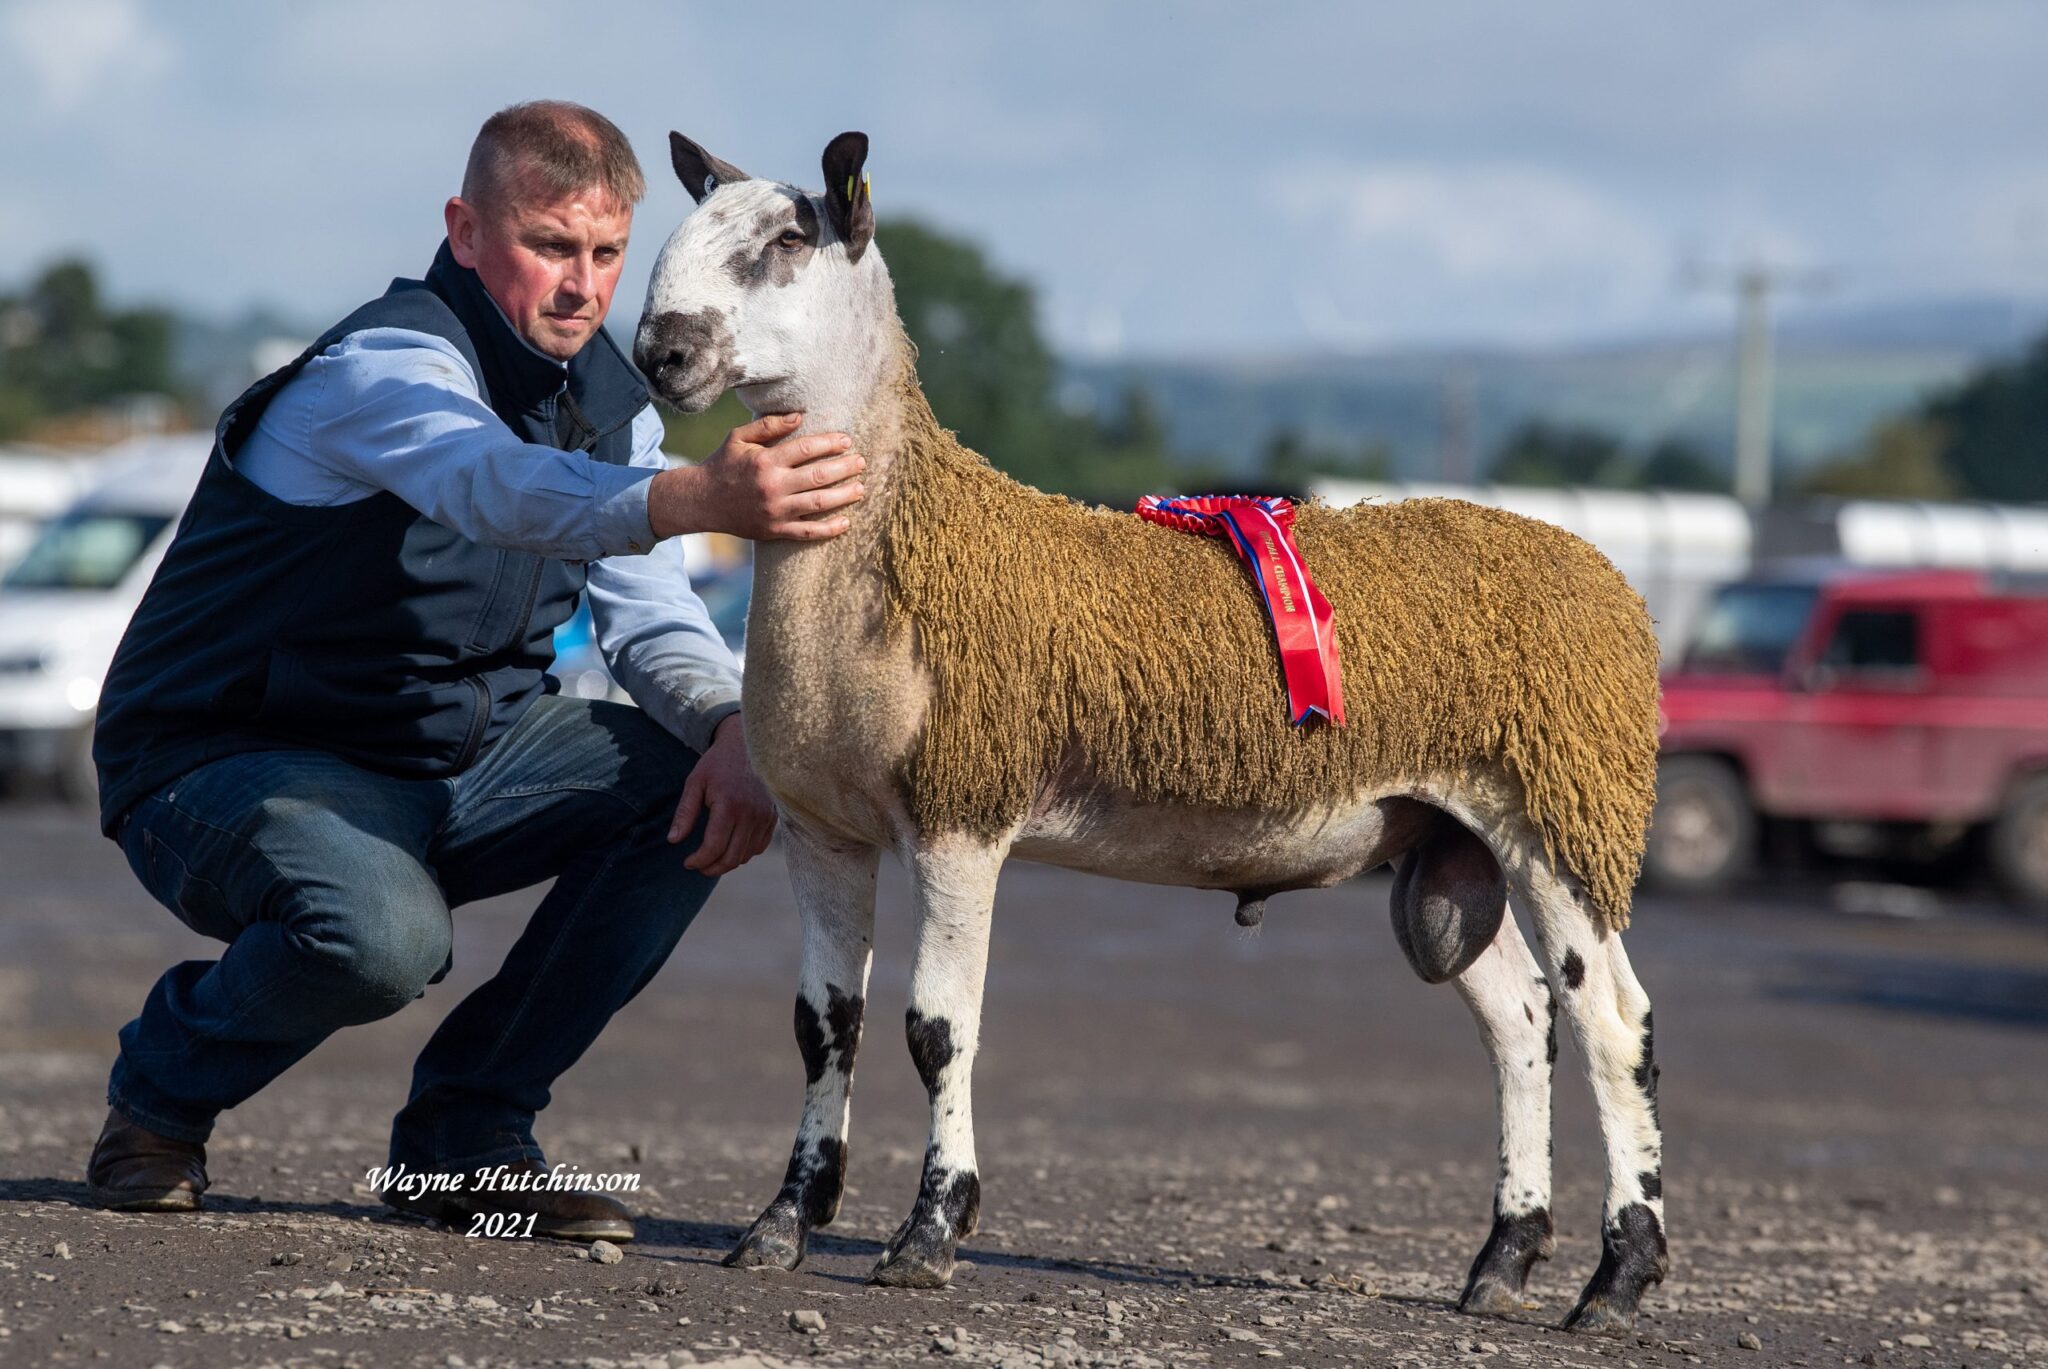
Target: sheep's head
[767, 289]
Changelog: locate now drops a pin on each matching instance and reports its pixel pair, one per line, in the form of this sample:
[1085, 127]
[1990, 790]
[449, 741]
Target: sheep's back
[1060, 636]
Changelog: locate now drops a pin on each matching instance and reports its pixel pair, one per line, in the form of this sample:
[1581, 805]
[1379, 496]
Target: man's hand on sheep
[762, 483]
[741, 815]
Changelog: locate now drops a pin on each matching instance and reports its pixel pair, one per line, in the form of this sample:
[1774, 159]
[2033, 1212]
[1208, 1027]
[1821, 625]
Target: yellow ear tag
[867, 185]
[849, 189]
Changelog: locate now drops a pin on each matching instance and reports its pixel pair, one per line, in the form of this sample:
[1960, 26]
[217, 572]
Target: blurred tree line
[1290, 461]
[1985, 437]
[63, 351]
[1540, 453]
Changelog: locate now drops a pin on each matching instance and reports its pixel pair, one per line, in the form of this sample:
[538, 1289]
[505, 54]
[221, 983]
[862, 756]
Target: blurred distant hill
[1931, 399]
[1839, 372]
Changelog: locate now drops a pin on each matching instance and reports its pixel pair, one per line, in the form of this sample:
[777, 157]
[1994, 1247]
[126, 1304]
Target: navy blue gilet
[366, 629]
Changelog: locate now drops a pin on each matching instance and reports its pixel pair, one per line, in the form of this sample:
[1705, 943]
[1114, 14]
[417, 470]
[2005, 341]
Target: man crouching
[329, 723]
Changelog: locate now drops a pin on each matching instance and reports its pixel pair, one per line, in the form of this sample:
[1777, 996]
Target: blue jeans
[331, 886]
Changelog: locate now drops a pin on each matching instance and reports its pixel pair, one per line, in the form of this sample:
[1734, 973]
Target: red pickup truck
[1882, 713]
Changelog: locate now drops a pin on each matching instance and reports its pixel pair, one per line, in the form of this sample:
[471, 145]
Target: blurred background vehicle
[35, 486]
[66, 601]
[1875, 713]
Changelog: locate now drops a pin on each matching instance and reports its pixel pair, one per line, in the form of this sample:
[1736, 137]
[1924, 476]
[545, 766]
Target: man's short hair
[545, 149]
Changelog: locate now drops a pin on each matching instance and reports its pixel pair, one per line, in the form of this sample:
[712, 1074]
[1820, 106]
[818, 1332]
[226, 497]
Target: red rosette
[1261, 528]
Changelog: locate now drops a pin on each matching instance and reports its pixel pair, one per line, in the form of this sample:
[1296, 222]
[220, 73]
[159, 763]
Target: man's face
[550, 264]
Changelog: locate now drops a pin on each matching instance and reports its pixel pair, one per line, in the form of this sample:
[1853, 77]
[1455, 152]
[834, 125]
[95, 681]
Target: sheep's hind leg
[1508, 996]
[1610, 1017]
[955, 882]
[1449, 909]
[835, 893]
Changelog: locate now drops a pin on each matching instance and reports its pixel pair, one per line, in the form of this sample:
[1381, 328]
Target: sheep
[977, 670]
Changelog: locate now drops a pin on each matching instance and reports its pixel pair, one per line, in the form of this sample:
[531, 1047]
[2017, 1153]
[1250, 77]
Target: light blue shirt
[392, 409]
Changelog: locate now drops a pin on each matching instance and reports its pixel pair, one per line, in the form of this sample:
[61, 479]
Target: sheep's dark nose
[654, 363]
[670, 344]
[688, 357]
[656, 349]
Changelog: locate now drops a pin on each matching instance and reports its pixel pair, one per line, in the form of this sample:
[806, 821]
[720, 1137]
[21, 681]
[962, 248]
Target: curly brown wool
[1058, 634]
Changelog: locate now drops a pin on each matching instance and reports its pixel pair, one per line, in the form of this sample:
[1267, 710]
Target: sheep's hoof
[1489, 1297]
[1596, 1316]
[1501, 1273]
[914, 1264]
[775, 1241]
[1632, 1257]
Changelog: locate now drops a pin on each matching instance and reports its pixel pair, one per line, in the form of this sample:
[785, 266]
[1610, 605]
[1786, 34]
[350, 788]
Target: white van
[36, 484]
[66, 602]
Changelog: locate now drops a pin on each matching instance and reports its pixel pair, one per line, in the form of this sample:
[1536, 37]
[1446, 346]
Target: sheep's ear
[847, 201]
[699, 171]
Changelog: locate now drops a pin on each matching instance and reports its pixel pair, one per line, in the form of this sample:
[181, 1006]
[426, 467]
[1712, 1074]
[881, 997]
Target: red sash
[1262, 530]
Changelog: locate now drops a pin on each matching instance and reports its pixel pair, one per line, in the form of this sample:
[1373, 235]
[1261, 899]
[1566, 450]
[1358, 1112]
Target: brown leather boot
[564, 1214]
[133, 1169]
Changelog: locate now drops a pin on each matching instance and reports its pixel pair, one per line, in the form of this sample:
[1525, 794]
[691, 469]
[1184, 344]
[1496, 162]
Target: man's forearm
[675, 503]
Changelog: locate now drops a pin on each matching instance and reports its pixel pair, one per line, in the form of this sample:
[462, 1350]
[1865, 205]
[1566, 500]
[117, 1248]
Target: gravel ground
[1198, 1145]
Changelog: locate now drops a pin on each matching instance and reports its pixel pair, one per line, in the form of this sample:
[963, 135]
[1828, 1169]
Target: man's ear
[699, 171]
[461, 218]
[847, 201]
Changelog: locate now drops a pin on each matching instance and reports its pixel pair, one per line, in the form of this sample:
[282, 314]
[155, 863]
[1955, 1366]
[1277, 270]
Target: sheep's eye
[790, 240]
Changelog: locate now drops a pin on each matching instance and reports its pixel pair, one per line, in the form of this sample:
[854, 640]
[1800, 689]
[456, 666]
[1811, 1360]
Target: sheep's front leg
[956, 883]
[835, 894]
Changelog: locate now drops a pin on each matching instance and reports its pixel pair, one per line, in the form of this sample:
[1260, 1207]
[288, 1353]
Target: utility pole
[1754, 385]
[1460, 399]
[1755, 367]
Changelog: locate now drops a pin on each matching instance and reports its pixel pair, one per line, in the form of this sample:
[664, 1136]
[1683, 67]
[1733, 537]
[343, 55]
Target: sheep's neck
[833, 696]
[883, 421]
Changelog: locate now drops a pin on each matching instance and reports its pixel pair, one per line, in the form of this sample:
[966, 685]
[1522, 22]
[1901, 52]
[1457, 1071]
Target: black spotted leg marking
[1510, 1000]
[835, 891]
[816, 1177]
[955, 886]
[1610, 1019]
[948, 1200]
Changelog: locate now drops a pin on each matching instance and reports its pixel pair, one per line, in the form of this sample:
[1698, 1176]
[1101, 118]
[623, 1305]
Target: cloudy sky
[1176, 178]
